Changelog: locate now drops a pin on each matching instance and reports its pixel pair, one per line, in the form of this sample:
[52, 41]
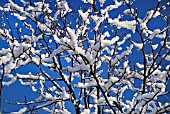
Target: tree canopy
[86, 56]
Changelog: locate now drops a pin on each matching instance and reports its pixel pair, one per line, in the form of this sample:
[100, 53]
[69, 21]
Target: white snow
[5, 59]
[110, 82]
[16, 24]
[138, 45]
[24, 2]
[29, 83]
[58, 51]
[42, 27]
[15, 6]
[164, 7]
[140, 65]
[149, 15]
[96, 47]
[154, 47]
[102, 2]
[34, 89]
[73, 36]
[161, 36]
[86, 111]
[109, 42]
[80, 50]
[130, 25]
[84, 16]
[167, 58]
[67, 59]
[82, 85]
[21, 111]
[48, 96]
[88, 1]
[5, 9]
[111, 7]
[84, 44]
[119, 43]
[57, 13]
[155, 32]
[65, 95]
[9, 82]
[30, 76]
[113, 79]
[123, 54]
[129, 11]
[18, 50]
[4, 51]
[98, 22]
[146, 19]
[3, 34]
[78, 68]
[109, 111]
[119, 48]
[161, 86]
[125, 64]
[156, 14]
[128, 35]
[57, 40]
